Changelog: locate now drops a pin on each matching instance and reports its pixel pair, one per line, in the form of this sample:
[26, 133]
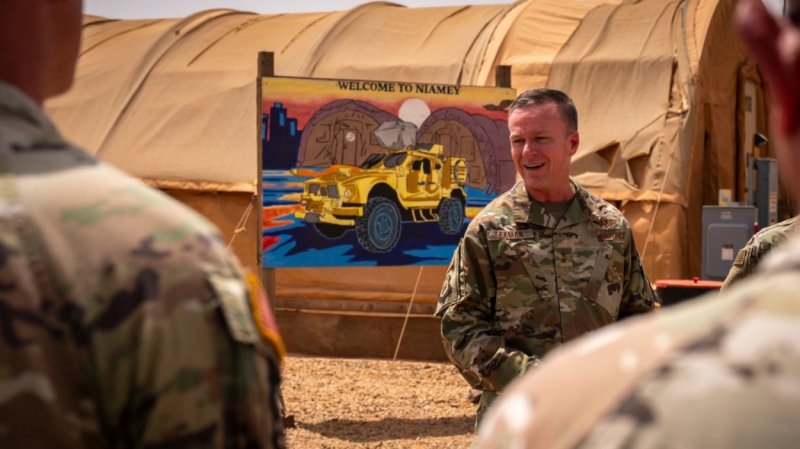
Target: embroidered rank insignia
[564, 260]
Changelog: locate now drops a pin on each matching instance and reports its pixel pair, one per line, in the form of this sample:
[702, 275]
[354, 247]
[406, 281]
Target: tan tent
[666, 100]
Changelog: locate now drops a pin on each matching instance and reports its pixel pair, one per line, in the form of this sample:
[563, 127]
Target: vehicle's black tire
[330, 231]
[378, 230]
[451, 215]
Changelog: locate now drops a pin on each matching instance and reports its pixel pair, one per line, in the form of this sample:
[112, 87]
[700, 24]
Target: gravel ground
[357, 403]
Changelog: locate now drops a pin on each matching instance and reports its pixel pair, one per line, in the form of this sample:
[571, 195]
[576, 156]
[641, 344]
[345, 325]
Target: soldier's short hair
[542, 95]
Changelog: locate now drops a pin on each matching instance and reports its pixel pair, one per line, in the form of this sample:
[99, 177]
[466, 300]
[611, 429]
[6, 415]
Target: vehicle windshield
[394, 159]
[372, 160]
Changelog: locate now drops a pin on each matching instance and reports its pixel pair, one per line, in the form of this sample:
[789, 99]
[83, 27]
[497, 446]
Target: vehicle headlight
[347, 193]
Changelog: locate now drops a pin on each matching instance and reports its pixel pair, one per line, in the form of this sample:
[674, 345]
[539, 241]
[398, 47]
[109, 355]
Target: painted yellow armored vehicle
[415, 184]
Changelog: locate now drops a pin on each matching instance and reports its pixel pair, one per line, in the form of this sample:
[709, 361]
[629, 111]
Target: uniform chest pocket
[523, 272]
[582, 270]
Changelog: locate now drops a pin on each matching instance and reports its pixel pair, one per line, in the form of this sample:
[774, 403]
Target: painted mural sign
[369, 173]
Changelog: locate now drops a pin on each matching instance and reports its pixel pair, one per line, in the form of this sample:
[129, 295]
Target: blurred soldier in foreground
[720, 372]
[124, 322]
[543, 263]
[757, 247]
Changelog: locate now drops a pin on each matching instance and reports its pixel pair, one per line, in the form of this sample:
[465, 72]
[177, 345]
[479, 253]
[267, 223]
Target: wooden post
[266, 68]
[502, 76]
[266, 64]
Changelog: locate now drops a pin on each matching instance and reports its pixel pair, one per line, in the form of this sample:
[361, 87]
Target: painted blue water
[277, 184]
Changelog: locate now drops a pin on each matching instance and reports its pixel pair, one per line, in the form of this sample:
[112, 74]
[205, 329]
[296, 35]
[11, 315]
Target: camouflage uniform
[124, 322]
[520, 283]
[712, 373]
[757, 247]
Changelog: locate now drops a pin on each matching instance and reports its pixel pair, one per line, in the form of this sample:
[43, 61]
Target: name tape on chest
[510, 235]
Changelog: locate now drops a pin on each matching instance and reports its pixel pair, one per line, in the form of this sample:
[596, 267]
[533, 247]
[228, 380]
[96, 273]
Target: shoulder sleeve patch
[233, 300]
[262, 312]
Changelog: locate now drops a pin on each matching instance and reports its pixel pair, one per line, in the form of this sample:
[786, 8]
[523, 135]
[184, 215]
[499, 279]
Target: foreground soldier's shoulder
[124, 236]
[774, 235]
[777, 234]
[783, 259]
[729, 375]
[655, 377]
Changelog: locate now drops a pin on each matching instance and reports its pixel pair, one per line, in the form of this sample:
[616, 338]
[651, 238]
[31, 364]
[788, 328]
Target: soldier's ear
[574, 141]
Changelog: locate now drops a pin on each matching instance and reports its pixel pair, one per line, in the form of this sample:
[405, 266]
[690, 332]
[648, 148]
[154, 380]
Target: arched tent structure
[659, 84]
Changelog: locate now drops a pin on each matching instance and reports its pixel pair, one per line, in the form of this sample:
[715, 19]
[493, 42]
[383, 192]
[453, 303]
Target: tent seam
[129, 30]
[175, 36]
[316, 54]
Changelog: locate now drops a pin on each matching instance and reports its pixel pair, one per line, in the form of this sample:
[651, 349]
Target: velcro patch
[740, 258]
[510, 235]
[233, 299]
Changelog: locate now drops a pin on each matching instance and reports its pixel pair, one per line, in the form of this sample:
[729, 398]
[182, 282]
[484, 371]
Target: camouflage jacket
[520, 283]
[757, 247]
[719, 372]
[124, 322]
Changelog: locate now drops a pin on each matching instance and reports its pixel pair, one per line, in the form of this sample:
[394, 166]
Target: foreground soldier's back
[123, 320]
[712, 373]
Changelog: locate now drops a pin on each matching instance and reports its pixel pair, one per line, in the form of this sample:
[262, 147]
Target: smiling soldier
[543, 263]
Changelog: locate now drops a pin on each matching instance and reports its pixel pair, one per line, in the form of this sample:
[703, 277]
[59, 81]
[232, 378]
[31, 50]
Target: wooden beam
[502, 76]
[266, 68]
[364, 335]
[266, 64]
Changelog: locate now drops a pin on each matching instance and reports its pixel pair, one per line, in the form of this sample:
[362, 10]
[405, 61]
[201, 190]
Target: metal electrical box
[766, 195]
[726, 229]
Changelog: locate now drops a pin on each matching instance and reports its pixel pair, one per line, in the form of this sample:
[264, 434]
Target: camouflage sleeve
[763, 242]
[637, 295]
[176, 359]
[746, 260]
[739, 270]
[466, 308]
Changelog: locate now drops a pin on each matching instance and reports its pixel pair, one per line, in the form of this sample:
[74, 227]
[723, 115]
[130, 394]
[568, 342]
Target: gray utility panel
[726, 229]
[766, 194]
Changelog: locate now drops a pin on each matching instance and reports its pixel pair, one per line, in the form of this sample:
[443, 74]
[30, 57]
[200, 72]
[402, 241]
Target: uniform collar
[16, 106]
[527, 210]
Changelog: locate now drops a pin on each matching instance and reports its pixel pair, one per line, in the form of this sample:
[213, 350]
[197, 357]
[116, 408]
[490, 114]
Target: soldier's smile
[534, 166]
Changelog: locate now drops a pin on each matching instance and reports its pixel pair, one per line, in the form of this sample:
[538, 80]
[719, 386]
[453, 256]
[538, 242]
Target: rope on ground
[408, 312]
[240, 226]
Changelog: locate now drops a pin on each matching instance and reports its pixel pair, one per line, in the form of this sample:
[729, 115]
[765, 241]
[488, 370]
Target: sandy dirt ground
[357, 403]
